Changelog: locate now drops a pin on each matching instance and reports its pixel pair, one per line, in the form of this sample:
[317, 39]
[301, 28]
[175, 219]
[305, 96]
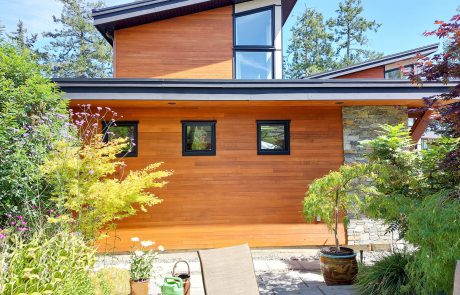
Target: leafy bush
[88, 179]
[418, 196]
[387, 276]
[404, 176]
[335, 192]
[57, 264]
[32, 116]
[112, 281]
[435, 229]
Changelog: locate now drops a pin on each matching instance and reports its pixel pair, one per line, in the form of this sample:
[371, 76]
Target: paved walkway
[279, 271]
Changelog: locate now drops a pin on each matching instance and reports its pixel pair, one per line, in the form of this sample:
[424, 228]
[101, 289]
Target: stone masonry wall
[362, 123]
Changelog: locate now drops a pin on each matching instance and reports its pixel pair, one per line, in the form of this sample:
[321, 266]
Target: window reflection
[254, 65]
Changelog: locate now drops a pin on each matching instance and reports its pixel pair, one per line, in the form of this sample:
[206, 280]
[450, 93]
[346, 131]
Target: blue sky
[403, 21]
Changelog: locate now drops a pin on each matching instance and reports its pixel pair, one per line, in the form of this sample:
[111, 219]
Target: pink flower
[2, 236]
[91, 172]
[99, 108]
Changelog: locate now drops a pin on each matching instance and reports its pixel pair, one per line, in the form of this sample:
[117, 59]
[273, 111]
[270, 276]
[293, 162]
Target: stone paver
[278, 271]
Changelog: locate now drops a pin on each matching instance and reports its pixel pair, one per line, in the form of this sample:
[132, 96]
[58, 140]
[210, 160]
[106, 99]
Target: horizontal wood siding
[196, 46]
[372, 73]
[235, 196]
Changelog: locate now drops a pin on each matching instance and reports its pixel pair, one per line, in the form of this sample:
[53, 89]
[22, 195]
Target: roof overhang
[386, 60]
[109, 19]
[247, 90]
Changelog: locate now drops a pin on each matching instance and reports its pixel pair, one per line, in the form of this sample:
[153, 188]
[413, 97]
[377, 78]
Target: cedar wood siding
[372, 73]
[236, 196]
[196, 46]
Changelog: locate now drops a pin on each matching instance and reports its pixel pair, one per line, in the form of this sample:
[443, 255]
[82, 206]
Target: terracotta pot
[338, 268]
[139, 287]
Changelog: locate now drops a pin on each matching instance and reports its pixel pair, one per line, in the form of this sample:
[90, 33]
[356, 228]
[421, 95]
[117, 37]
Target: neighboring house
[199, 86]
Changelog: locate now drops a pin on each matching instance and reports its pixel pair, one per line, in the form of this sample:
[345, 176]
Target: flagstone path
[279, 271]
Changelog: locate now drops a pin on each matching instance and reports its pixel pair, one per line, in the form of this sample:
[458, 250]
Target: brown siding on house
[196, 46]
[235, 196]
[372, 73]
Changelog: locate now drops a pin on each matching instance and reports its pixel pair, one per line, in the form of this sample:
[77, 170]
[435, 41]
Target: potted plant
[142, 259]
[328, 198]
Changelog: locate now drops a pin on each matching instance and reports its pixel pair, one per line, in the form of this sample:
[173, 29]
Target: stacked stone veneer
[362, 123]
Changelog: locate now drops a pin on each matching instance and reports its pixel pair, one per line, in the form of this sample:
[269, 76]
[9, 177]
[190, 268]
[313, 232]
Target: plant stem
[336, 220]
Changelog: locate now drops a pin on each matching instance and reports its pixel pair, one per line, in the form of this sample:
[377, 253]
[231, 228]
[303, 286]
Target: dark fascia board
[246, 90]
[388, 59]
[109, 19]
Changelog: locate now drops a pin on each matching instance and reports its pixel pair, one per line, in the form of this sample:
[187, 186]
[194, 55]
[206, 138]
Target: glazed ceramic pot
[338, 268]
[139, 287]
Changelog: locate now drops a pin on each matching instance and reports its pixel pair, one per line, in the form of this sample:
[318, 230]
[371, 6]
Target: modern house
[199, 84]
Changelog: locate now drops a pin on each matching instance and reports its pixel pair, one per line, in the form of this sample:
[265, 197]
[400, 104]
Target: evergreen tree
[20, 38]
[76, 48]
[350, 29]
[2, 32]
[311, 48]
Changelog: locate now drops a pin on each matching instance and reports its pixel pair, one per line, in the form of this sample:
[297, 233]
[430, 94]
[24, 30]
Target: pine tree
[76, 48]
[310, 50]
[2, 32]
[350, 29]
[20, 38]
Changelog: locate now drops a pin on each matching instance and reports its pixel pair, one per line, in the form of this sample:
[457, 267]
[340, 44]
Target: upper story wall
[205, 45]
[195, 46]
[372, 73]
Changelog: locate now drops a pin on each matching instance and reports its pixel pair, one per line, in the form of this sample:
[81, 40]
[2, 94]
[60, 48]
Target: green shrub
[420, 197]
[387, 276]
[435, 229]
[32, 116]
[112, 281]
[338, 191]
[58, 264]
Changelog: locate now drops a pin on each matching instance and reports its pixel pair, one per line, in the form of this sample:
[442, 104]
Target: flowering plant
[142, 259]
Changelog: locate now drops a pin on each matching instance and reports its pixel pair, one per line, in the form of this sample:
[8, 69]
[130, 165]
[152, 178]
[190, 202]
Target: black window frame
[254, 48]
[135, 149]
[287, 137]
[186, 123]
[409, 67]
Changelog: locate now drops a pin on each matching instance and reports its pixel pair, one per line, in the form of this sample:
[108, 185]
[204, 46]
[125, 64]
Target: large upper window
[254, 45]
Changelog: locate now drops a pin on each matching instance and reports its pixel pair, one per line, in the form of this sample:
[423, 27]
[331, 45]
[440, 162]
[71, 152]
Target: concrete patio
[279, 271]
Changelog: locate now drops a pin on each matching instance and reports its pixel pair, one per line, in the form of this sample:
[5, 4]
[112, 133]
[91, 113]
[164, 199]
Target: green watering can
[172, 286]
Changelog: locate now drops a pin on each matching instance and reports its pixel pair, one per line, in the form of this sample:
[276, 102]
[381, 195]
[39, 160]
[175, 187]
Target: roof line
[428, 49]
[109, 19]
[227, 83]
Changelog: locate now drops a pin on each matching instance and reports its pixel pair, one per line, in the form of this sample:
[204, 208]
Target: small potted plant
[328, 198]
[142, 259]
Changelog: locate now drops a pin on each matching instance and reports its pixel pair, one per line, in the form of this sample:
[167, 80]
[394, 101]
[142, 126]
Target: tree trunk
[337, 248]
[348, 43]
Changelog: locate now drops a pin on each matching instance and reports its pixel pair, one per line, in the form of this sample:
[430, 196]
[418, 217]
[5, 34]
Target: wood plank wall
[196, 46]
[372, 73]
[235, 196]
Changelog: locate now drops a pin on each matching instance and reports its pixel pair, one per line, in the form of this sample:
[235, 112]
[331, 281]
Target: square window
[198, 138]
[122, 129]
[254, 65]
[273, 137]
